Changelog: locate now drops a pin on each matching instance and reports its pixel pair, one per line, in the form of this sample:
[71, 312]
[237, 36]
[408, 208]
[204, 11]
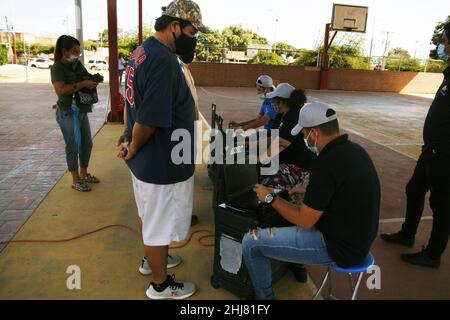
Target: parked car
[40, 63]
[97, 65]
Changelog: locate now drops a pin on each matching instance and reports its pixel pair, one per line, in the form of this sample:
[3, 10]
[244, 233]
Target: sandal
[81, 186]
[91, 179]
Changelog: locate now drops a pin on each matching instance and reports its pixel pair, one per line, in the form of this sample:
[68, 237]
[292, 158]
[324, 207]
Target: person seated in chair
[267, 114]
[294, 157]
[338, 219]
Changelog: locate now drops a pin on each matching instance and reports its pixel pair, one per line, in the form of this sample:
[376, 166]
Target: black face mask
[188, 58]
[184, 45]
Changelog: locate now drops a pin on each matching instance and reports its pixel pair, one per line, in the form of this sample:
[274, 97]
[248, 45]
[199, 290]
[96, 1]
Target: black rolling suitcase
[229, 271]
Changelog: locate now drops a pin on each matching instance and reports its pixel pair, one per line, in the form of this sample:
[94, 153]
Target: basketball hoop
[345, 18]
[349, 18]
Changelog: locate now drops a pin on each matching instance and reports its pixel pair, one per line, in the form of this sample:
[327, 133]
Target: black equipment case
[232, 224]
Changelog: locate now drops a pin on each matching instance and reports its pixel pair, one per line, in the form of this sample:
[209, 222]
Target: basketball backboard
[349, 18]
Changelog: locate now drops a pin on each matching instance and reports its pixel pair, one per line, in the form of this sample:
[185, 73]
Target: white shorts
[165, 210]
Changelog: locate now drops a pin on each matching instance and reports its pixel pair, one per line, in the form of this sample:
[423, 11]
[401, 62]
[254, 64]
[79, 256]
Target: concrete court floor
[109, 259]
[241, 103]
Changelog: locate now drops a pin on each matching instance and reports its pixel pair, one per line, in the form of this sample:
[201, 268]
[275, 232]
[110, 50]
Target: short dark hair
[64, 42]
[163, 21]
[447, 30]
[297, 99]
[329, 128]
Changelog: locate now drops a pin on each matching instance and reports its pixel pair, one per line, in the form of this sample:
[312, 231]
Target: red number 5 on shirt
[130, 86]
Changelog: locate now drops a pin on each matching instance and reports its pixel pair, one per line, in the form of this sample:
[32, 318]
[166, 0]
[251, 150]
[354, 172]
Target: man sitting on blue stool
[338, 219]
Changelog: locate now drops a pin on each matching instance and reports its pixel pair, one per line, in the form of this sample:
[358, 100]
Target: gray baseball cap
[313, 115]
[283, 90]
[265, 82]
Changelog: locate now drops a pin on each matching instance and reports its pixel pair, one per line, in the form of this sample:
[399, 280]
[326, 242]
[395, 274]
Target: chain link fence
[313, 58]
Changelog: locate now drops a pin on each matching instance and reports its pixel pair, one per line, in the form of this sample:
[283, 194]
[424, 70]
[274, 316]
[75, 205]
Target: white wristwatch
[270, 198]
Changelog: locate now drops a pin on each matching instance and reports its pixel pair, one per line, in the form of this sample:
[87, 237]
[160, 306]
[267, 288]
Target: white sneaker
[172, 261]
[173, 291]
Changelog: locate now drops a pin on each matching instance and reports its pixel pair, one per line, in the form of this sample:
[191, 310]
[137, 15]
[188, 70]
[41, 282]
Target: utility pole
[79, 26]
[371, 41]
[415, 49]
[66, 23]
[276, 30]
[386, 45]
[10, 53]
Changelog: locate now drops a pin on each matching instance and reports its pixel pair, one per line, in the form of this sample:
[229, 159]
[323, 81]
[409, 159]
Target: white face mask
[262, 96]
[312, 149]
[73, 58]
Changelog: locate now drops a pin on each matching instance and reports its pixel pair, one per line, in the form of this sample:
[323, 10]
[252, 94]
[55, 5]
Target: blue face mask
[441, 53]
[312, 149]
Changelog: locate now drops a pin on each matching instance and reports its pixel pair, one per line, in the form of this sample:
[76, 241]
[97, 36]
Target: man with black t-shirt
[338, 220]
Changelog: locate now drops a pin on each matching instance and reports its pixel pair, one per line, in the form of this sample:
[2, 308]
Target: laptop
[240, 179]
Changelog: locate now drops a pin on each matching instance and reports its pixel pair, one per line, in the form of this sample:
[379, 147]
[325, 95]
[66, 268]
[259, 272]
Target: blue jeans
[291, 244]
[66, 123]
[120, 76]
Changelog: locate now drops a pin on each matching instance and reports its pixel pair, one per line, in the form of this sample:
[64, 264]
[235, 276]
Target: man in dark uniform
[432, 174]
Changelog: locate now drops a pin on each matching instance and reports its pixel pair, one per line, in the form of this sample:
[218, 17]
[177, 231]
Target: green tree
[307, 58]
[129, 41]
[340, 57]
[400, 60]
[91, 45]
[436, 39]
[436, 66]
[210, 47]
[287, 49]
[3, 55]
[265, 57]
[239, 38]
[103, 36]
[37, 49]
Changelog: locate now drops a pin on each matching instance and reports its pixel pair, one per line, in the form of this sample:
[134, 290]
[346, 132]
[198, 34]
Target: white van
[97, 65]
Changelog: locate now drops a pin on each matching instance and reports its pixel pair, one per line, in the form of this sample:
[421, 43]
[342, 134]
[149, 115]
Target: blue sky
[300, 22]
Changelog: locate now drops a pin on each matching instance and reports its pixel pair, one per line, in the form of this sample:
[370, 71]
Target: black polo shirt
[344, 185]
[436, 131]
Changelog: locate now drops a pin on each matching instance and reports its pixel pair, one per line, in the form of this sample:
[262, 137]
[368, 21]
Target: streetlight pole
[79, 26]
[9, 40]
[383, 67]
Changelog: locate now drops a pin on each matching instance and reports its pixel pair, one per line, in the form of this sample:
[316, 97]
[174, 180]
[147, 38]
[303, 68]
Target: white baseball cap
[284, 90]
[313, 115]
[265, 82]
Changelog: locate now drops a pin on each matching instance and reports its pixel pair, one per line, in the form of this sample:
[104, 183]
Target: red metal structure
[325, 58]
[140, 22]
[116, 113]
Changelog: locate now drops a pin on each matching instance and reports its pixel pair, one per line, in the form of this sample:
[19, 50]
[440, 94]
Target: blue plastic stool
[368, 263]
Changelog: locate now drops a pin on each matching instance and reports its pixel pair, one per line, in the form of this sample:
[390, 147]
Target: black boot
[398, 238]
[421, 259]
[300, 272]
[194, 220]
